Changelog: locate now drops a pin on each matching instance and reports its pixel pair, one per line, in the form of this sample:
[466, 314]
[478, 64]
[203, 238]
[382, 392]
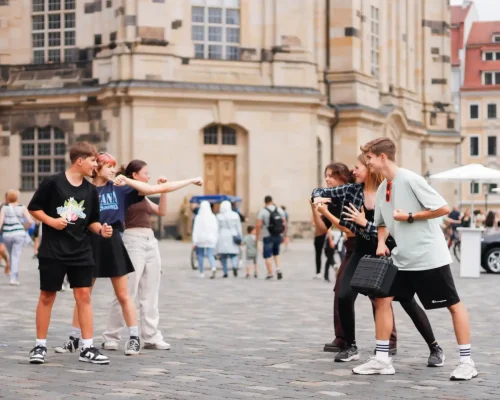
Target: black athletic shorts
[435, 287]
[52, 274]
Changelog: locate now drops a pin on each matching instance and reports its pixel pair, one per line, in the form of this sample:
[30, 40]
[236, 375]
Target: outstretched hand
[198, 181]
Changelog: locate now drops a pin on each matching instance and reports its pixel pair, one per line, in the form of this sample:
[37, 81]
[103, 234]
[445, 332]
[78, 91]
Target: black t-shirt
[80, 206]
[455, 215]
[335, 209]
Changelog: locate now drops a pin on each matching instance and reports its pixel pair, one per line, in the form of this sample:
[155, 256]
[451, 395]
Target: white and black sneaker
[37, 355]
[133, 346]
[68, 347]
[349, 354]
[279, 275]
[93, 356]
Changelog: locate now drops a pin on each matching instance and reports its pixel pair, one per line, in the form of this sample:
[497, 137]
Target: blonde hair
[373, 179]
[12, 196]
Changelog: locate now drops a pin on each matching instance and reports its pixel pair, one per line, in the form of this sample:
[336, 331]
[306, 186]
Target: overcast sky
[489, 10]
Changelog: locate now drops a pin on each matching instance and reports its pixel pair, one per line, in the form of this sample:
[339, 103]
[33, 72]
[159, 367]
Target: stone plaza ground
[241, 339]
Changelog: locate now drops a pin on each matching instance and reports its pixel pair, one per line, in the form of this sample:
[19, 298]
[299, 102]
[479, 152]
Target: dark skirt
[110, 256]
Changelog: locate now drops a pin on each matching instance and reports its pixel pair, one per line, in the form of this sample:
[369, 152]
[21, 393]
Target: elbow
[445, 210]
[162, 213]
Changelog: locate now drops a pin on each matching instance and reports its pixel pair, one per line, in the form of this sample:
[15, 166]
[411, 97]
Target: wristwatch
[410, 218]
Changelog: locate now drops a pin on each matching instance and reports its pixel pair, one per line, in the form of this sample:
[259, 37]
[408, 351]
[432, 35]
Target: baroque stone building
[256, 95]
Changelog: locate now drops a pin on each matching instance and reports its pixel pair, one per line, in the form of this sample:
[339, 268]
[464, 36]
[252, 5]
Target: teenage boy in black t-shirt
[68, 207]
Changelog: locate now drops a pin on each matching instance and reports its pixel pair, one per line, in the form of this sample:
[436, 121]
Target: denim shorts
[271, 246]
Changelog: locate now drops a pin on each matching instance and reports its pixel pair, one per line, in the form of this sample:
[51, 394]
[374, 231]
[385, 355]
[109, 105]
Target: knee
[82, 295]
[383, 304]
[47, 298]
[122, 296]
[456, 309]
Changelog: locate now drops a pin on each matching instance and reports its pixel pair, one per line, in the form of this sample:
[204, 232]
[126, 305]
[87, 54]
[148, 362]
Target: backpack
[276, 225]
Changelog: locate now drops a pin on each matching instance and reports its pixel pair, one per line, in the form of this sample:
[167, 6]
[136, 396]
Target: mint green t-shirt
[420, 245]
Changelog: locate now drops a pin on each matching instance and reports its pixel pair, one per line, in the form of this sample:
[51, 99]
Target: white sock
[41, 342]
[76, 333]
[87, 343]
[382, 350]
[464, 352]
[133, 331]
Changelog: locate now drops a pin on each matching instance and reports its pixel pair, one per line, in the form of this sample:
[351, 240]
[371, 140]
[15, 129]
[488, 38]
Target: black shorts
[435, 287]
[52, 275]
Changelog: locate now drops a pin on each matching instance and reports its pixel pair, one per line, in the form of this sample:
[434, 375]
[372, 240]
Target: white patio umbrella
[473, 173]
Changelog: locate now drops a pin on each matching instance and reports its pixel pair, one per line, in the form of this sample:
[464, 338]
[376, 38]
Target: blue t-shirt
[114, 201]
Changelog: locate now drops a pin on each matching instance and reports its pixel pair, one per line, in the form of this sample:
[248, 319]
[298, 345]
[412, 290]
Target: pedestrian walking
[14, 218]
[271, 221]
[250, 243]
[205, 236]
[230, 238]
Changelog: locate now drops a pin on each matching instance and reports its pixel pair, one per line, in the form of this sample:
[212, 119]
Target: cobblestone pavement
[240, 339]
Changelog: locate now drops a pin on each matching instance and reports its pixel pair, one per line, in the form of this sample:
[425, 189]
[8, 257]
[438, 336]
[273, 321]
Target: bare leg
[76, 323]
[269, 266]
[43, 311]
[383, 318]
[84, 308]
[126, 302]
[460, 323]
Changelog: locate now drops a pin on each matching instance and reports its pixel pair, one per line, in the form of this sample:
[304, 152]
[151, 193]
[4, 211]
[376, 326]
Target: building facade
[480, 99]
[256, 95]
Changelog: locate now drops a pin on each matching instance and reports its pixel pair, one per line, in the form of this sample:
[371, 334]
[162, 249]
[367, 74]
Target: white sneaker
[317, 276]
[161, 345]
[110, 345]
[12, 282]
[464, 372]
[202, 275]
[375, 366]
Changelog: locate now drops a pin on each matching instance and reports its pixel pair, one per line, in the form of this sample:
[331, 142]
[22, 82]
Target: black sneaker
[235, 273]
[349, 354]
[93, 356]
[255, 276]
[269, 277]
[280, 275]
[68, 347]
[224, 276]
[436, 358]
[132, 346]
[37, 355]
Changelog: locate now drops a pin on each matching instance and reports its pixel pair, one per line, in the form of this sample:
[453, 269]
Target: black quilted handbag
[374, 276]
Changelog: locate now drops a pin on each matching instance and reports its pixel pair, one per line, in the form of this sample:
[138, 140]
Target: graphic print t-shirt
[79, 205]
[113, 203]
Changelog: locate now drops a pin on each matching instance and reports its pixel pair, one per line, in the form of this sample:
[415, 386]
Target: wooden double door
[220, 174]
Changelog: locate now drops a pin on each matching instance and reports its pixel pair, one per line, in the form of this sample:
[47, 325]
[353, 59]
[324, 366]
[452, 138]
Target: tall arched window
[220, 134]
[43, 152]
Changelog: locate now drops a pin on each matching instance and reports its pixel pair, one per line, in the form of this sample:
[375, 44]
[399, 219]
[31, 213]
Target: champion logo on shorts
[438, 301]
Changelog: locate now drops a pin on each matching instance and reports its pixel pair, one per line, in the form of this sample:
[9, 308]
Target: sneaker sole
[376, 372]
[352, 358]
[437, 365]
[60, 350]
[86, 360]
[155, 348]
[452, 378]
[131, 353]
[332, 349]
[109, 348]
[37, 361]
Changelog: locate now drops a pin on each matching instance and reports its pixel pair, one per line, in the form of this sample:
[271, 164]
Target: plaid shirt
[350, 193]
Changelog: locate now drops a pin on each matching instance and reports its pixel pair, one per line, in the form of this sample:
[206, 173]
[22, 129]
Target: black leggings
[319, 244]
[347, 297]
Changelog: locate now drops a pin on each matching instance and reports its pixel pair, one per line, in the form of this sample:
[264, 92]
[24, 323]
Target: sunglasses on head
[388, 190]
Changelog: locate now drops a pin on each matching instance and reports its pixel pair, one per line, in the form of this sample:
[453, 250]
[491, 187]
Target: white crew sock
[382, 350]
[41, 342]
[87, 343]
[464, 352]
[133, 331]
[76, 333]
